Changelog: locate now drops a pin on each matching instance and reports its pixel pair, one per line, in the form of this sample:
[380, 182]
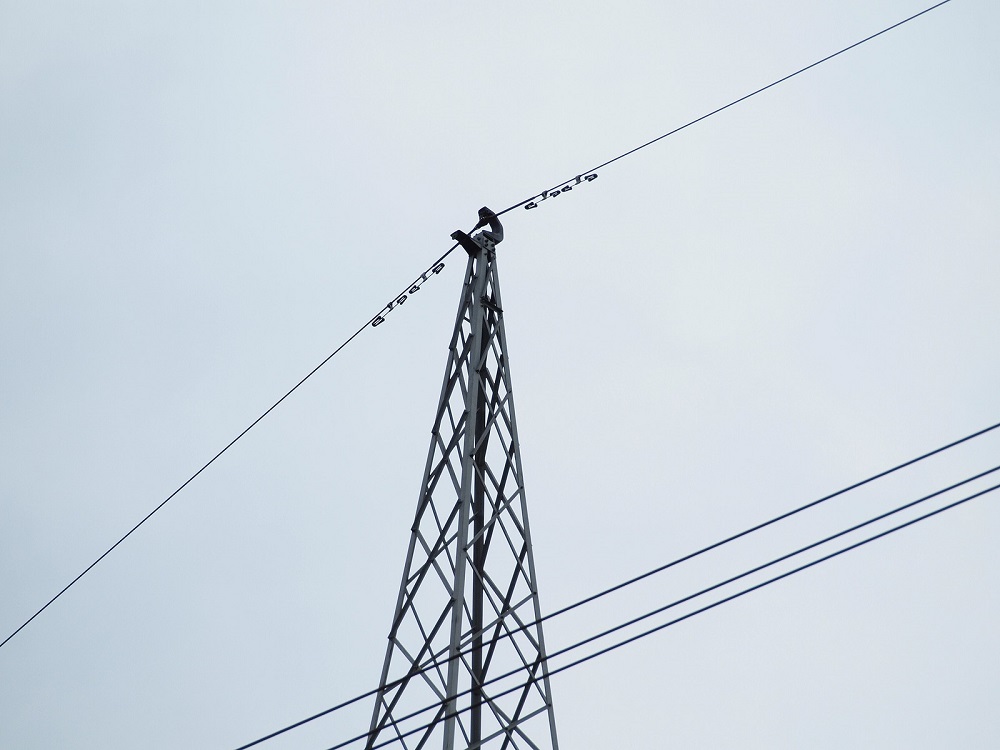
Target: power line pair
[436, 662]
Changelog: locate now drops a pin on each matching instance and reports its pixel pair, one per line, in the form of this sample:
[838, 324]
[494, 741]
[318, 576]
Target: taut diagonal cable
[635, 579]
[229, 445]
[559, 189]
[663, 626]
[590, 174]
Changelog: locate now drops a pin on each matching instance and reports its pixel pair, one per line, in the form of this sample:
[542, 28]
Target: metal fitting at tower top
[486, 240]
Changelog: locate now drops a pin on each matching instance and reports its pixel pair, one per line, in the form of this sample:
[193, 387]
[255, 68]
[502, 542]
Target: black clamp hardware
[486, 240]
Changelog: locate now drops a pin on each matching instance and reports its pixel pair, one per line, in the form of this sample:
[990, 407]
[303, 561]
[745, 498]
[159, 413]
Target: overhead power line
[663, 626]
[378, 317]
[569, 184]
[229, 445]
[435, 662]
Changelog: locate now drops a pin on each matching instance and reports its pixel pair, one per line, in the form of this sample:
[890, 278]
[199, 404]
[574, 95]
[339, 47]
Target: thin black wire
[690, 597]
[682, 618]
[435, 663]
[765, 524]
[727, 106]
[734, 537]
[211, 461]
[782, 558]
[372, 319]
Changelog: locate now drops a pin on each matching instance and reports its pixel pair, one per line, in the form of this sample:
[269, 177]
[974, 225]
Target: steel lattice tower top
[466, 663]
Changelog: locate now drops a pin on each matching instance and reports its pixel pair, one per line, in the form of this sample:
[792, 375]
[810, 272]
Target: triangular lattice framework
[468, 610]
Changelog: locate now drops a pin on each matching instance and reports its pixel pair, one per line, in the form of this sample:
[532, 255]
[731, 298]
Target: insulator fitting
[485, 240]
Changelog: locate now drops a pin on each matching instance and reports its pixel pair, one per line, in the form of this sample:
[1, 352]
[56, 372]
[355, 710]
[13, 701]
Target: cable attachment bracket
[485, 240]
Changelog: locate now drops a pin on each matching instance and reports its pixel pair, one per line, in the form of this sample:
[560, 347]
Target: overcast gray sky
[198, 202]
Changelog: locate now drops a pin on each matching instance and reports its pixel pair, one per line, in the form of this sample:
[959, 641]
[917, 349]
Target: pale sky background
[198, 202]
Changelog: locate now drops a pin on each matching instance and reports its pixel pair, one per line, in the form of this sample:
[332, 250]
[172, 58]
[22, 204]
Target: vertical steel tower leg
[467, 608]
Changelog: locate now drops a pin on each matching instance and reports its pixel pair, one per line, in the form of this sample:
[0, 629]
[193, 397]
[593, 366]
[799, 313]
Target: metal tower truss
[468, 610]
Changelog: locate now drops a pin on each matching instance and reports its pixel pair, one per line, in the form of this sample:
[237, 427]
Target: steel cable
[613, 647]
[576, 179]
[436, 663]
[371, 320]
[229, 445]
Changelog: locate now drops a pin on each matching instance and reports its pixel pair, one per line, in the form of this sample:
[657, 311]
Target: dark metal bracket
[485, 240]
